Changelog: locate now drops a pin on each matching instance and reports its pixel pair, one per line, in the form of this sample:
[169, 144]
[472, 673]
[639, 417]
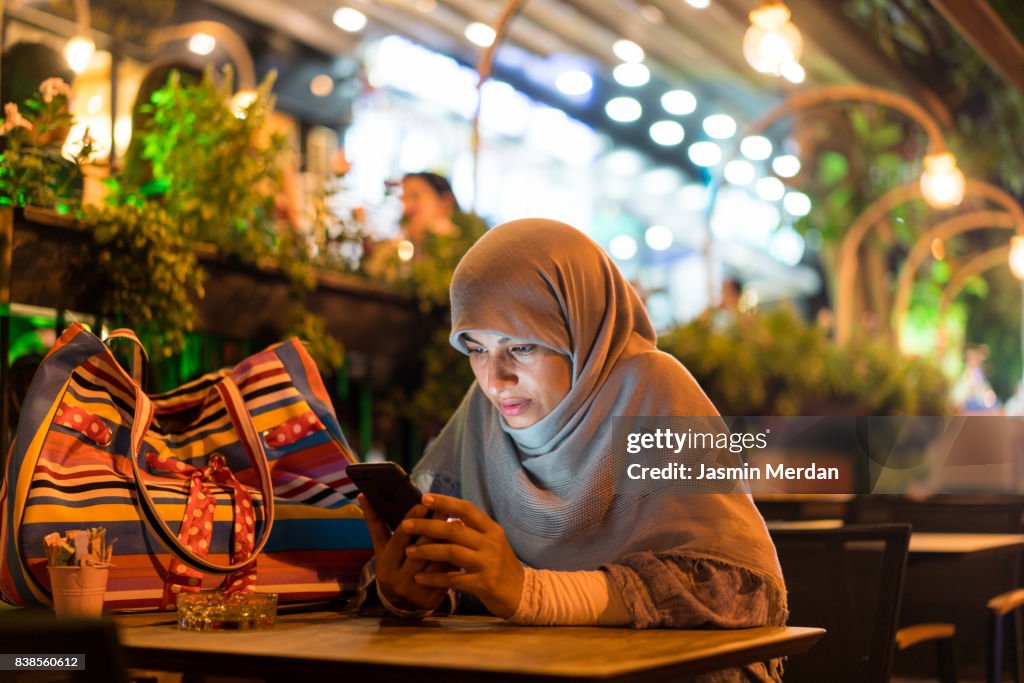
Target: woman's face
[421, 205]
[524, 381]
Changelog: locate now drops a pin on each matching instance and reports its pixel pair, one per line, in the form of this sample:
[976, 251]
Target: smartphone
[388, 488]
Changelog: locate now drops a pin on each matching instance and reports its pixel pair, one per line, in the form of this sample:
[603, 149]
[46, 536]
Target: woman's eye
[523, 350]
[474, 349]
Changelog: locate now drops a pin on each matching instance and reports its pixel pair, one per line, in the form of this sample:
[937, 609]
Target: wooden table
[961, 544]
[332, 645]
[921, 542]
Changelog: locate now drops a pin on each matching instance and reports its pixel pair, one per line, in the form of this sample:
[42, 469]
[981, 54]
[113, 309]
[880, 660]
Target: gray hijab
[552, 486]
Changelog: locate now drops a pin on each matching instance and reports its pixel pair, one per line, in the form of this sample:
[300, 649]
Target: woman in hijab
[560, 344]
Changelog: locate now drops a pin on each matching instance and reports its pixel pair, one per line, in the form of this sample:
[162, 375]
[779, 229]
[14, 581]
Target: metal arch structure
[975, 266]
[847, 269]
[824, 96]
[975, 220]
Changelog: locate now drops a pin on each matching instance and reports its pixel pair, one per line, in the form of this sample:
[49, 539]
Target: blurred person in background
[435, 233]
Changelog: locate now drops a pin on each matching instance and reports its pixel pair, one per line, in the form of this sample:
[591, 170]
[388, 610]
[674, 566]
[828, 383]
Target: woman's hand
[395, 571]
[488, 566]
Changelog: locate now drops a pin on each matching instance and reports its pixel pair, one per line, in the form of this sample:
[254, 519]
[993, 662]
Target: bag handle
[242, 422]
[140, 359]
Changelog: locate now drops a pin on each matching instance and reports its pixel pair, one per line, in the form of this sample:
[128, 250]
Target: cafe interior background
[855, 166]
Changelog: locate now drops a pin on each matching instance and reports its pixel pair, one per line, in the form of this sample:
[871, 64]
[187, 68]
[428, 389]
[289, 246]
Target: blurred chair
[961, 513]
[40, 632]
[848, 580]
[1001, 608]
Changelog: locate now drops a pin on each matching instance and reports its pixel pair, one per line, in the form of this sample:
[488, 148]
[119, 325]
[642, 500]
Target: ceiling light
[623, 109]
[78, 51]
[322, 85]
[704, 153]
[349, 19]
[622, 247]
[772, 40]
[770, 189]
[480, 34]
[942, 183]
[631, 75]
[693, 197]
[740, 172]
[787, 246]
[658, 237]
[756, 147]
[793, 72]
[202, 44]
[720, 126]
[667, 133]
[679, 102]
[786, 165]
[624, 162]
[699, 4]
[574, 82]
[797, 203]
[628, 51]
[660, 181]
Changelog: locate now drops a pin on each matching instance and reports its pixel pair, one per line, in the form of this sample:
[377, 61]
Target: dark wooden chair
[963, 513]
[848, 580]
[1002, 608]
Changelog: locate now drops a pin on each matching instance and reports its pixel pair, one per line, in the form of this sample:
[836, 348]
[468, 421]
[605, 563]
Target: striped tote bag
[236, 479]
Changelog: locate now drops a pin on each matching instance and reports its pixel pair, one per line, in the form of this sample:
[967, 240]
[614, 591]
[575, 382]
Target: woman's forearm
[577, 598]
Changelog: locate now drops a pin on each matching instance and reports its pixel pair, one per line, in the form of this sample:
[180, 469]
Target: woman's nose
[499, 376]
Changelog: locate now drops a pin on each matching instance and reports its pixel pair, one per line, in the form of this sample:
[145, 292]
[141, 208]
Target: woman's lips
[513, 408]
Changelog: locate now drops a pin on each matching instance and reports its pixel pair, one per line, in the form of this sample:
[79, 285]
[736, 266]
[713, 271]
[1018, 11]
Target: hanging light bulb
[1017, 256]
[772, 41]
[942, 183]
[78, 51]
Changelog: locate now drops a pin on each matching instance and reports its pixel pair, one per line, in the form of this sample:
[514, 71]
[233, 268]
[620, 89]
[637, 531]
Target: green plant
[33, 170]
[151, 272]
[215, 166]
[776, 364]
[217, 170]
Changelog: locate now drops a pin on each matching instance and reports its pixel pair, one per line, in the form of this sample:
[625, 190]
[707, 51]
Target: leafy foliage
[32, 169]
[151, 273]
[988, 116]
[217, 171]
[216, 168]
[775, 364]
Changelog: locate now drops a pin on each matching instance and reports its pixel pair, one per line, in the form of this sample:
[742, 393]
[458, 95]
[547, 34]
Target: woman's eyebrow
[467, 338]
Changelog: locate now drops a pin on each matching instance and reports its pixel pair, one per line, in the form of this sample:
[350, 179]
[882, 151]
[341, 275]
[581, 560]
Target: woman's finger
[399, 538]
[379, 533]
[450, 532]
[456, 580]
[470, 515]
[446, 552]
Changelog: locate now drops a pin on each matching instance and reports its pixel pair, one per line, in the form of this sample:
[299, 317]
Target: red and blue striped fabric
[69, 468]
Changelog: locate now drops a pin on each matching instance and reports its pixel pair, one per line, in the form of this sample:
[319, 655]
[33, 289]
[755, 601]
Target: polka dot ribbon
[197, 527]
[293, 430]
[83, 422]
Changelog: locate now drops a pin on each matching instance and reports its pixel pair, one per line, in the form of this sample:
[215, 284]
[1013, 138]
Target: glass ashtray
[219, 611]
